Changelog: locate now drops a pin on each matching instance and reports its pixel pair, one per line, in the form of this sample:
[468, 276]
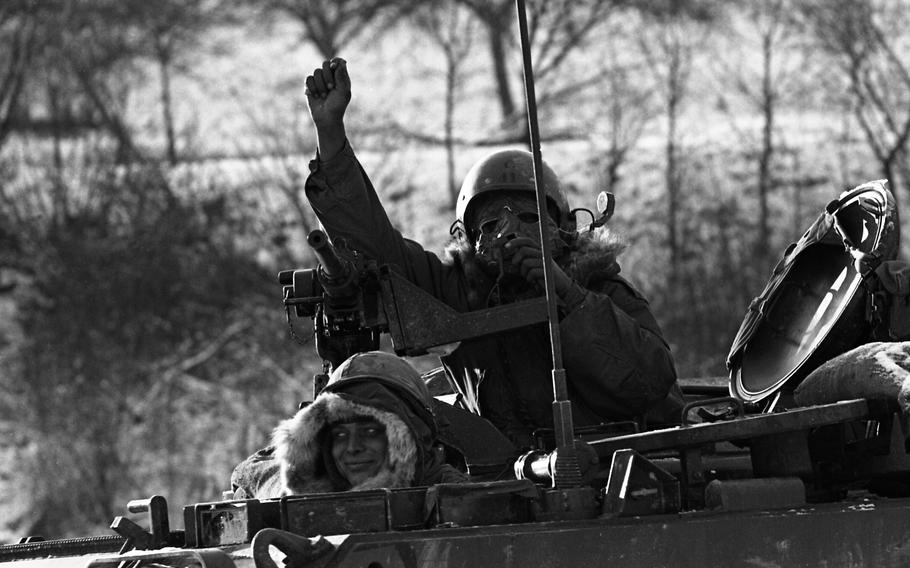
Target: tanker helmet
[384, 367]
[507, 171]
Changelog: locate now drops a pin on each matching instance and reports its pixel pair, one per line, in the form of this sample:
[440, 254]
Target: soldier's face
[501, 219]
[359, 449]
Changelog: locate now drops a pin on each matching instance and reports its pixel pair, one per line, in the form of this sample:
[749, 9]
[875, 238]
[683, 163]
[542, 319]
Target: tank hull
[861, 533]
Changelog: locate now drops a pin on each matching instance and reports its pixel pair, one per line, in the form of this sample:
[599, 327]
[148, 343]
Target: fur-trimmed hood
[592, 256]
[397, 400]
[302, 448]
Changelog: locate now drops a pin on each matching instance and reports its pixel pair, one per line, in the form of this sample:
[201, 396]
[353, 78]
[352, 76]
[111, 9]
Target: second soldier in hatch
[372, 427]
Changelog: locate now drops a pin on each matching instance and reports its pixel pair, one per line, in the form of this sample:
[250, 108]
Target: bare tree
[557, 29]
[761, 28]
[627, 105]
[38, 92]
[78, 63]
[330, 25]
[94, 53]
[497, 17]
[668, 50]
[275, 162]
[452, 31]
[864, 38]
[18, 33]
[159, 302]
[170, 33]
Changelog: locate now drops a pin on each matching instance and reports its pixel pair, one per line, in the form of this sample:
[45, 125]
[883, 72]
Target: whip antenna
[567, 471]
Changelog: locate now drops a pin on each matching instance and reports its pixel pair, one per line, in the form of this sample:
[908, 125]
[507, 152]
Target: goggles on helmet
[504, 219]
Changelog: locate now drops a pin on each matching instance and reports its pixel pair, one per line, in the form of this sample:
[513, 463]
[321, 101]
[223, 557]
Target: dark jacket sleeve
[615, 357]
[349, 210]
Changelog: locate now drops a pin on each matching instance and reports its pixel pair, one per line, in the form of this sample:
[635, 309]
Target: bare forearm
[330, 139]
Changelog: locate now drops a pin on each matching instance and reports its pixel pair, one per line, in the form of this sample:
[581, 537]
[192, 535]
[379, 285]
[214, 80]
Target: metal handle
[298, 549]
[738, 405]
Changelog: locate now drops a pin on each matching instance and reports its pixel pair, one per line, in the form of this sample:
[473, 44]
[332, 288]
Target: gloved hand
[526, 256]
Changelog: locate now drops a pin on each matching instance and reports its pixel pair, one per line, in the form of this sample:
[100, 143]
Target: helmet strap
[568, 237]
[457, 229]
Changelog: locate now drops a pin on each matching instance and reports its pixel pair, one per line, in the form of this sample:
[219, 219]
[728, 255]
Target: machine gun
[352, 301]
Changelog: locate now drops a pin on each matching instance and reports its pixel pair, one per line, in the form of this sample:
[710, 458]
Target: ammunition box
[477, 504]
[407, 509]
[227, 522]
[335, 513]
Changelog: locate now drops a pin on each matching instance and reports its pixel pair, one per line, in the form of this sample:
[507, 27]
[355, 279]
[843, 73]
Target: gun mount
[352, 301]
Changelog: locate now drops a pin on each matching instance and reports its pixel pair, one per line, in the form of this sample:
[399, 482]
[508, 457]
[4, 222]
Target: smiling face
[358, 448]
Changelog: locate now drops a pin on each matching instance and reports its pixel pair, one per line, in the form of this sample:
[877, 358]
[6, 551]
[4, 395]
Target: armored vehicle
[785, 463]
[751, 476]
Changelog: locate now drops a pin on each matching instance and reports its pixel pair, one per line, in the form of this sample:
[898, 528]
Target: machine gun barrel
[337, 274]
[332, 265]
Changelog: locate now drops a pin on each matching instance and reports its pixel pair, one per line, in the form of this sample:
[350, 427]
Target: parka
[618, 365]
[392, 393]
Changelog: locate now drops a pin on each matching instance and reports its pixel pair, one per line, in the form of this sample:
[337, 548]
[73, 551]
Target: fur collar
[306, 466]
[590, 257]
